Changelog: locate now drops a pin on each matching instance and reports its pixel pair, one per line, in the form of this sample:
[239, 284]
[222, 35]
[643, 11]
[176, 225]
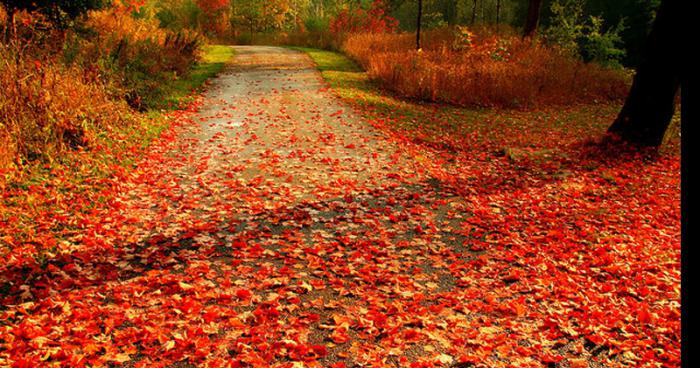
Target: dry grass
[47, 108]
[482, 69]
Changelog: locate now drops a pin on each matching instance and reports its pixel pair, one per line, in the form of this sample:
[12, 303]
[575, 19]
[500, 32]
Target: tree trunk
[418, 23]
[533, 18]
[473, 12]
[9, 23]
[498, 13]
[483, 13]
[649, 107]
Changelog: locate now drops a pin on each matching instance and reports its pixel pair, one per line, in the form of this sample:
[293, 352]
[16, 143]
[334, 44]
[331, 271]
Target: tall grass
[482, 68]
[47, 108]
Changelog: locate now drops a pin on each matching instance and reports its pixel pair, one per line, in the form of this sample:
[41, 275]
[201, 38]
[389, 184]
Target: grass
[213, 61]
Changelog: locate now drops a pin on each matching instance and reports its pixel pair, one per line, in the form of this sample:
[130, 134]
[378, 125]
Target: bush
[135, 57]
[315, 24]
[64, 88]
[567, 25]
[570, 32]
[48, 108]
[494, 70]
[59, 12]
[603, 47]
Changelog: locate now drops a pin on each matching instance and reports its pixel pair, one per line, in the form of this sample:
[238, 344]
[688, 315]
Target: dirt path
[271, 226]
[269, 124]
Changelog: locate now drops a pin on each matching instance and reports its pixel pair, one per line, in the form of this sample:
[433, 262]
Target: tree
[498, 12]
[418, 22]
[533, 18]
[649, 107]
[58, 12]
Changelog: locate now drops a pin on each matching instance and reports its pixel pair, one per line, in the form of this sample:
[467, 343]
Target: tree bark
[649, 107]
[473, 12]
[418, 23]
[498, 13]
[533, 18]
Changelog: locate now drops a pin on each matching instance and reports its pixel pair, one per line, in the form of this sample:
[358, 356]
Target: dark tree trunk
[498, 12]
[474, 12]
[533, 18]
[9, 23]
[649, 107]
[418, 23]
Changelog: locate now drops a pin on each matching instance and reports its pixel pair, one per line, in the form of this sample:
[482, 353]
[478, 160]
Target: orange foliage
[47, 108]
[67, 91]
[482, 69]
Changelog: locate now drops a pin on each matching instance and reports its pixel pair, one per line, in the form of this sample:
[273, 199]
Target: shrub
[495, 70]
[567, 25]
[48, 108]
[135, 57]
[316, 24]
[571, 33]
[64, 88]
[603, 47]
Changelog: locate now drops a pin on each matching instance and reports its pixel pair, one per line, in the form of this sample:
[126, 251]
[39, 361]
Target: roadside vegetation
[513, 132]
[483, 69]
[79, 104]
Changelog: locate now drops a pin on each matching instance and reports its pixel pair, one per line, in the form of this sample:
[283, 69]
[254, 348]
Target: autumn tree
[649, 107]
[58, 12]
[213, 12]
[262, 15]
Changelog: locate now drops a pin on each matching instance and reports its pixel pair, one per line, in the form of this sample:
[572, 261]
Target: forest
[342, 183]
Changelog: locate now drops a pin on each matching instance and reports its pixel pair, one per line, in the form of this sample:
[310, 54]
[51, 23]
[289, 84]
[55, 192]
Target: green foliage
[433, 20]
[567, 25]
[455, 12]
[316, 24]
[603, 47]
[178, 15]
[638, 16]
[576, 35]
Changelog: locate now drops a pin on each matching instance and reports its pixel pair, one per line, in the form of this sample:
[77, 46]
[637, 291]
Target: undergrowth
[77, 109]
[483, 68]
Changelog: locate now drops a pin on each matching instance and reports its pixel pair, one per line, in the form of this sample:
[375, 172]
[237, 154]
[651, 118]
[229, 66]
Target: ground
[283, 221]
